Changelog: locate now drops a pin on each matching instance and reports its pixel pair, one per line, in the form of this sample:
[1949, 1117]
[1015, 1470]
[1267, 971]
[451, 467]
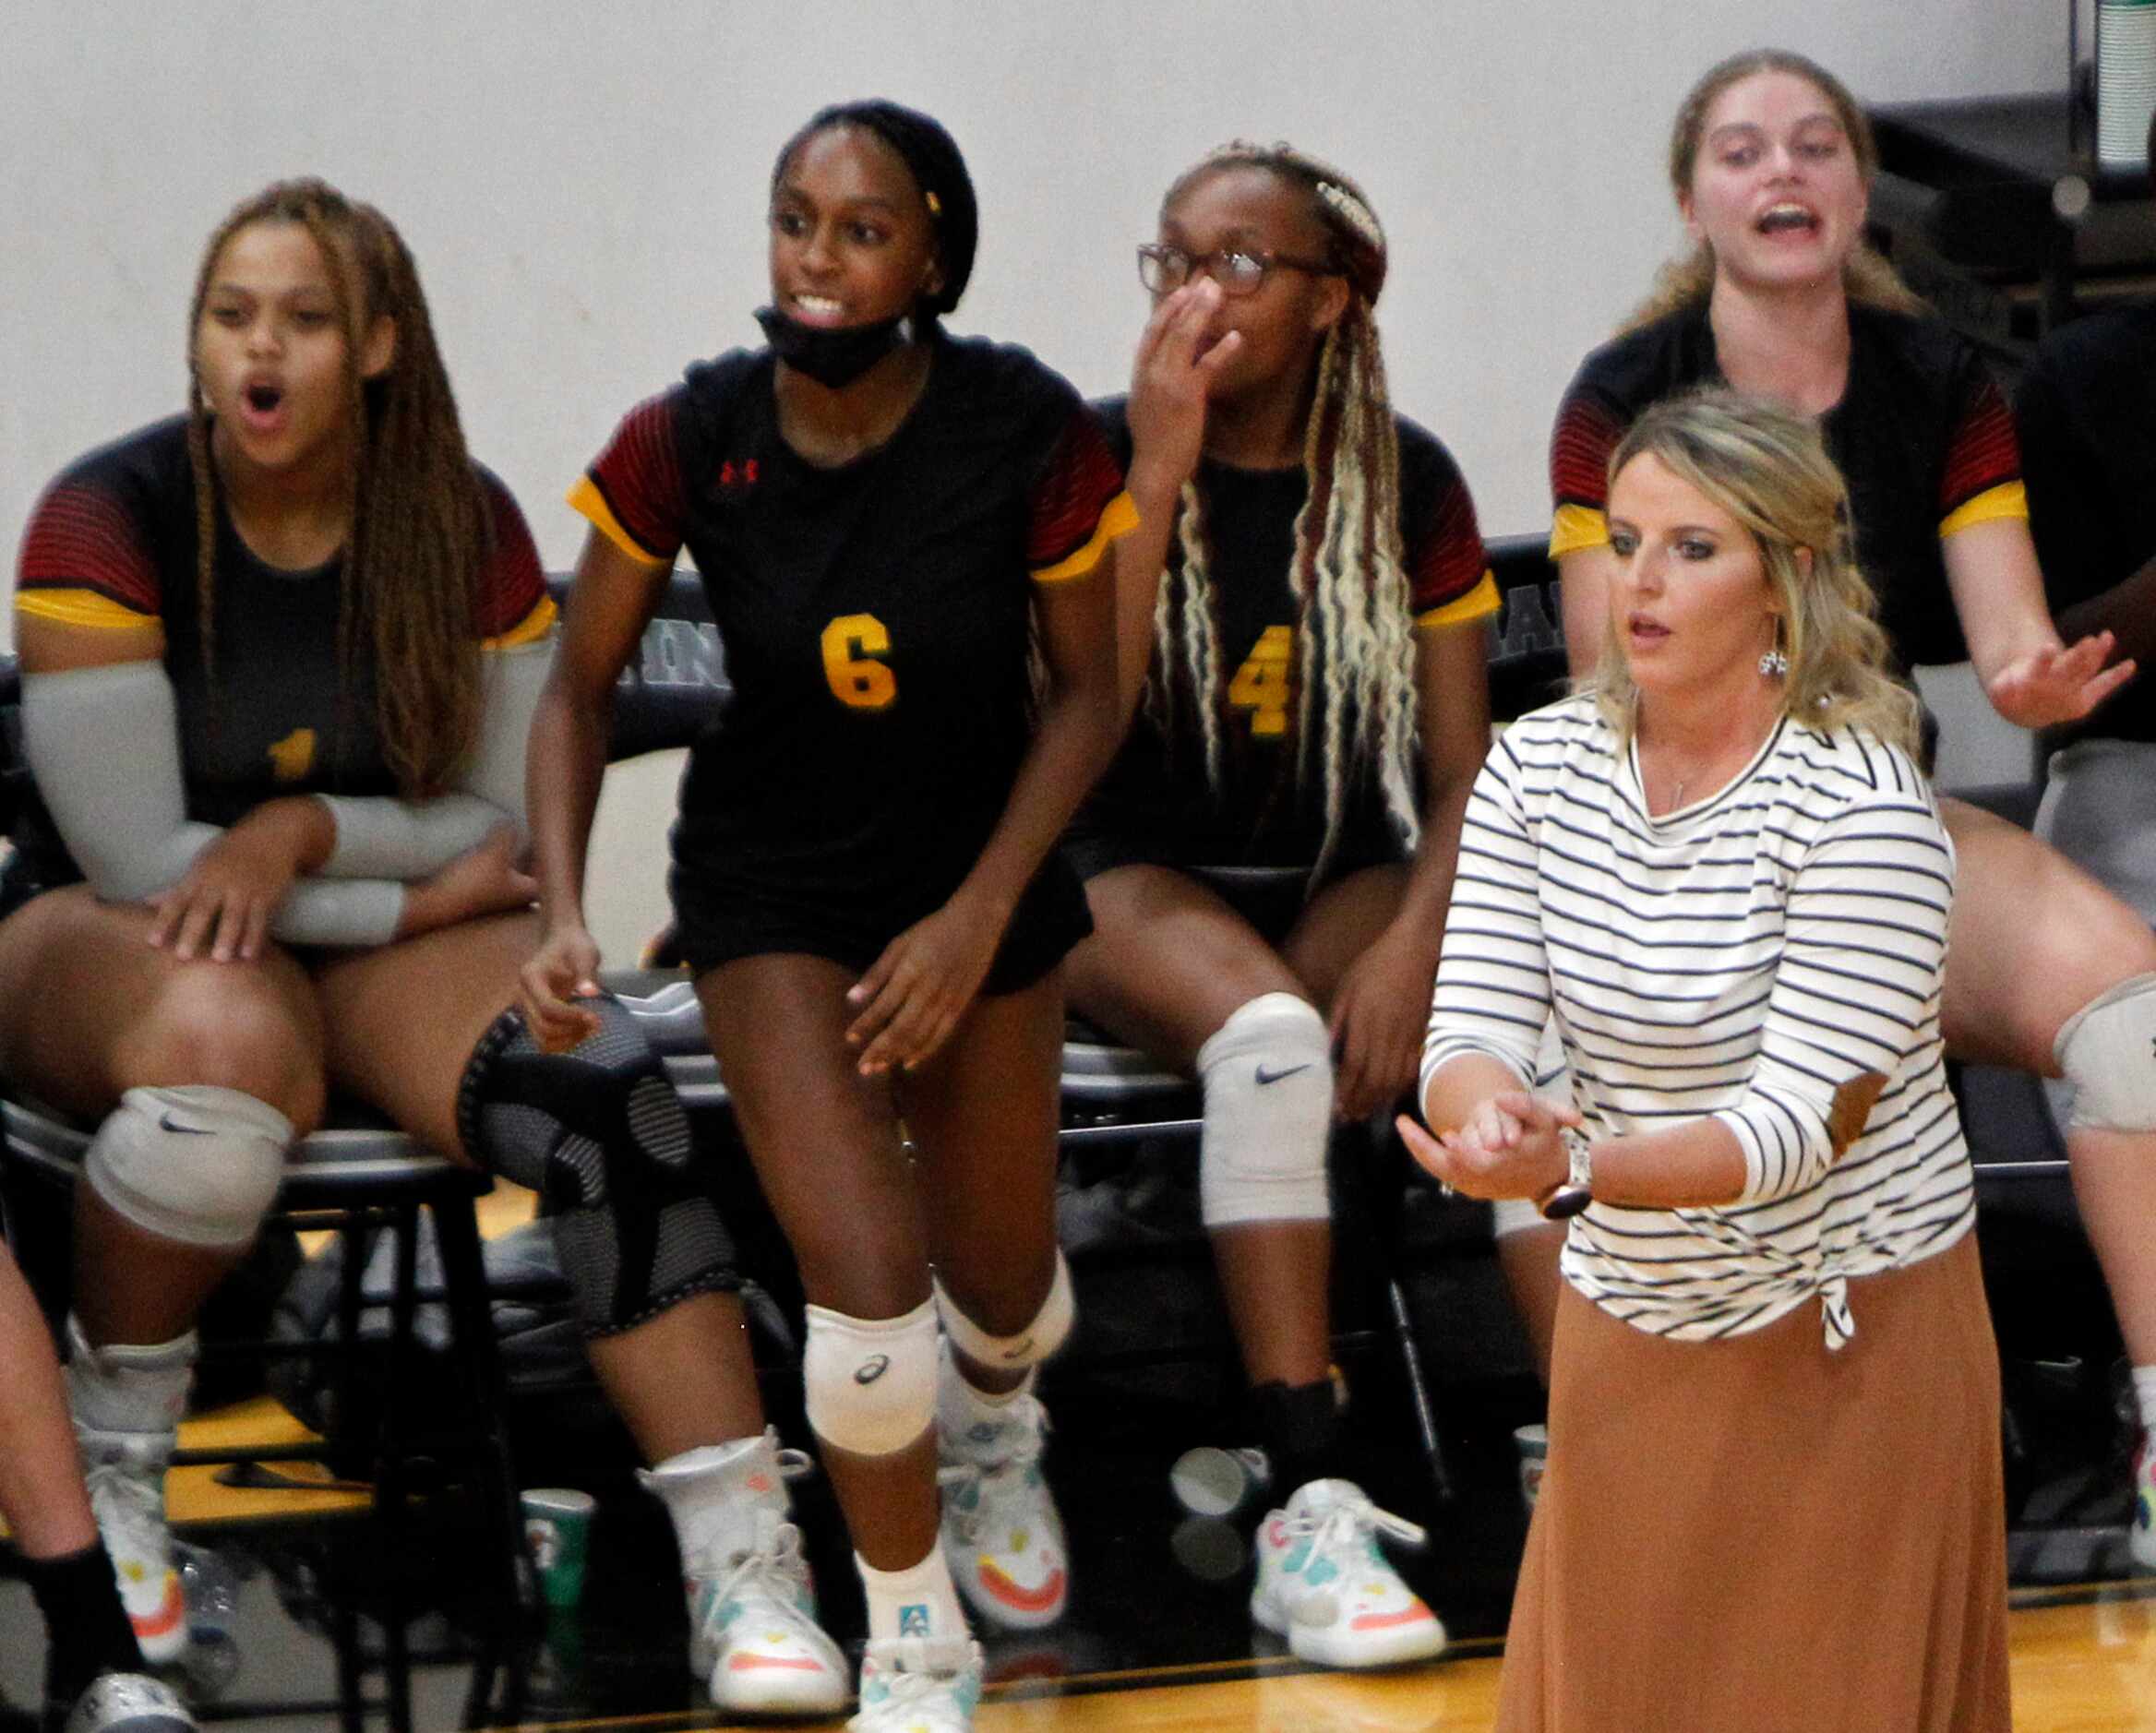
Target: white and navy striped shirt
[1740, 957]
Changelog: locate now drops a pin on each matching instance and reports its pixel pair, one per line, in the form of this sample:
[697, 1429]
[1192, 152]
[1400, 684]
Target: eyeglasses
[1164, 270]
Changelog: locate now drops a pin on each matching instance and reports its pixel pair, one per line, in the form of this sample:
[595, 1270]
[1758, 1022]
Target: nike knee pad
[1267, 1073]
[871, 1381]
[2107, 1050]
[1042, 1335]
[600, 1134]
[193, 1163]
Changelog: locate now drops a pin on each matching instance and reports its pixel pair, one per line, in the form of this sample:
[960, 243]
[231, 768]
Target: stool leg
[464, 1283]
[1376, 1165]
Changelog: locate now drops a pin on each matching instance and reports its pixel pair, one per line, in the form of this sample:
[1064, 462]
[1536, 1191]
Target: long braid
[1348, 573]
[419, 531]
[1184, 610]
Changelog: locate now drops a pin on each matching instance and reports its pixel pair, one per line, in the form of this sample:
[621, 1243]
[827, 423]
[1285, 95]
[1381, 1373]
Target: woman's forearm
[1692, 1164]
[566, 765]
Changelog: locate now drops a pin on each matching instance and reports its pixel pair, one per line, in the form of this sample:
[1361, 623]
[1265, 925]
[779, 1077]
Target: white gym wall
[583, 187]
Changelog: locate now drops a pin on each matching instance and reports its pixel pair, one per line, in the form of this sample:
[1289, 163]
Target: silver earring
[1774, 664]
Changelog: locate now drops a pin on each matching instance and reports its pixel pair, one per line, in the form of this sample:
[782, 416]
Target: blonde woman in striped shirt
[1720, 869]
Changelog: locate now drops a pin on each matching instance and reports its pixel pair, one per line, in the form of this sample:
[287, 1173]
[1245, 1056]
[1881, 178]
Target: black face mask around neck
[833, 358]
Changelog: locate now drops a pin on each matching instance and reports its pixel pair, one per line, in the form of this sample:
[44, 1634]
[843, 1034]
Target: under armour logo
[1265, 1077]
[913, 1621]
[872, 1368]
[732, 474]
[167, 1123]
[1020, 1350]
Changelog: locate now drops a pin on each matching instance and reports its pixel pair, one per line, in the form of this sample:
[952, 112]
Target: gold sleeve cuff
[1577, 527]
[2008, 499]
[586, 498]
[1118, 518]
[527, 630]
[82, 607]
[1479, 604]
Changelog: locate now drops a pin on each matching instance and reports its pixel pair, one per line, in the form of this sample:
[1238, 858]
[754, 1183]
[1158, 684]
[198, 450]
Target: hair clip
[935, 204]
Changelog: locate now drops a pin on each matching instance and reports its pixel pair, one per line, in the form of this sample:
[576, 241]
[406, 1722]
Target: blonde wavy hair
[1348, 572]
[1866, 276]
[1767, 468]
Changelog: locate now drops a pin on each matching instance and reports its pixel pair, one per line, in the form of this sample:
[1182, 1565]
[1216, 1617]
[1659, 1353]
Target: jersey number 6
[851, 644]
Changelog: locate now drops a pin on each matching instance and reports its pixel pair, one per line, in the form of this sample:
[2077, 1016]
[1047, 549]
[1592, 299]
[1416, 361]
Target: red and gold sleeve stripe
[1078, 505]
[633, 493]
[534, 626]
[1118, 519]
[1982, 482]
[1479, 603]
[84, 563]
[587, 498]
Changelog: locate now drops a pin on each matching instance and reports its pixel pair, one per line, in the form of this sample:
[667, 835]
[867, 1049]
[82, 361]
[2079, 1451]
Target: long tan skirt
[1758, 1535]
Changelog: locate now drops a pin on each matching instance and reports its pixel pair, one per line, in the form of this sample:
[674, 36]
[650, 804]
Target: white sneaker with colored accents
[129, 1703]
[1001, 1535]
[2141, 1528]
[124, 1472]
[753, 1633]
[919, 1685]
[1324, 1585]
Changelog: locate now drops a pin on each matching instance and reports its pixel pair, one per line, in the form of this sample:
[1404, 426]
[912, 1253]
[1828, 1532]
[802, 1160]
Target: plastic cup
[1533, 1443]
[1209, 1481]
[557, 1529]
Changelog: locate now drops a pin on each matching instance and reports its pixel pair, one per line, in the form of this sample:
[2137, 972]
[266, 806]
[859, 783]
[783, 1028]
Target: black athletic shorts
[719, 917]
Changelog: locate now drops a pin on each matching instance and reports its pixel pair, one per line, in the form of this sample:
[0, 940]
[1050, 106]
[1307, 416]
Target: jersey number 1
[851, 645]
[1265, 682]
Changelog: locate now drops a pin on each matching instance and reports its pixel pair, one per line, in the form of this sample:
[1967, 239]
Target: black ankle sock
[1299, 1425]
[84, 1624]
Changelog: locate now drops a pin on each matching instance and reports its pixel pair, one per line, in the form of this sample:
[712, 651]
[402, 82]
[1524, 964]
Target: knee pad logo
[1266, 1076]
[872, 1368]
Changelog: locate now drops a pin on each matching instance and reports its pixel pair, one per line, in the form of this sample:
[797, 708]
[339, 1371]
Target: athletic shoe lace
[128, 1499]
[933, 1681]
[1349, 1522]
[773, 1571]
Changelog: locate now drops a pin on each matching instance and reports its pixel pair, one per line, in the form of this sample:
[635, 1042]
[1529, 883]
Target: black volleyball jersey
[1262, 813]
[2086, 409]
[111, 543]
[876, 617]
[1921, 435]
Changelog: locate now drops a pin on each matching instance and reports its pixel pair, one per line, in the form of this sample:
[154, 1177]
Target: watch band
[1575, 1191]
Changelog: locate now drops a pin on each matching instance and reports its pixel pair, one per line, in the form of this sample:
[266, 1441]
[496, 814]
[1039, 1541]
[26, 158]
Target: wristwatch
[1572, 1194]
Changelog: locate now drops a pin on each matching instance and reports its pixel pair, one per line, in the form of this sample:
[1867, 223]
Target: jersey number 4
[1265, 683]
[852, 644]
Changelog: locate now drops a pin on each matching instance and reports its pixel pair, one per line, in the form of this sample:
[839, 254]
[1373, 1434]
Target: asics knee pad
[193, 1163]
[2107, 1050]
[1267, 1073]
[600, 1134]
[1042, 1335]
[871, 1381]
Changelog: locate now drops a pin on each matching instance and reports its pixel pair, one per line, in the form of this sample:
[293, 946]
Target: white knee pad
[195, 1163]
[872, 1380]
[2108, 1051]
[1268, 1079]
[1026, 1348]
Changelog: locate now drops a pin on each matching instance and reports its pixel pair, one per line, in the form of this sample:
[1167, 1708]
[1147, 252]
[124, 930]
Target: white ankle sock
[128, 1387]
[2145, 1395]
[713, 1493]
[919, 1601]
